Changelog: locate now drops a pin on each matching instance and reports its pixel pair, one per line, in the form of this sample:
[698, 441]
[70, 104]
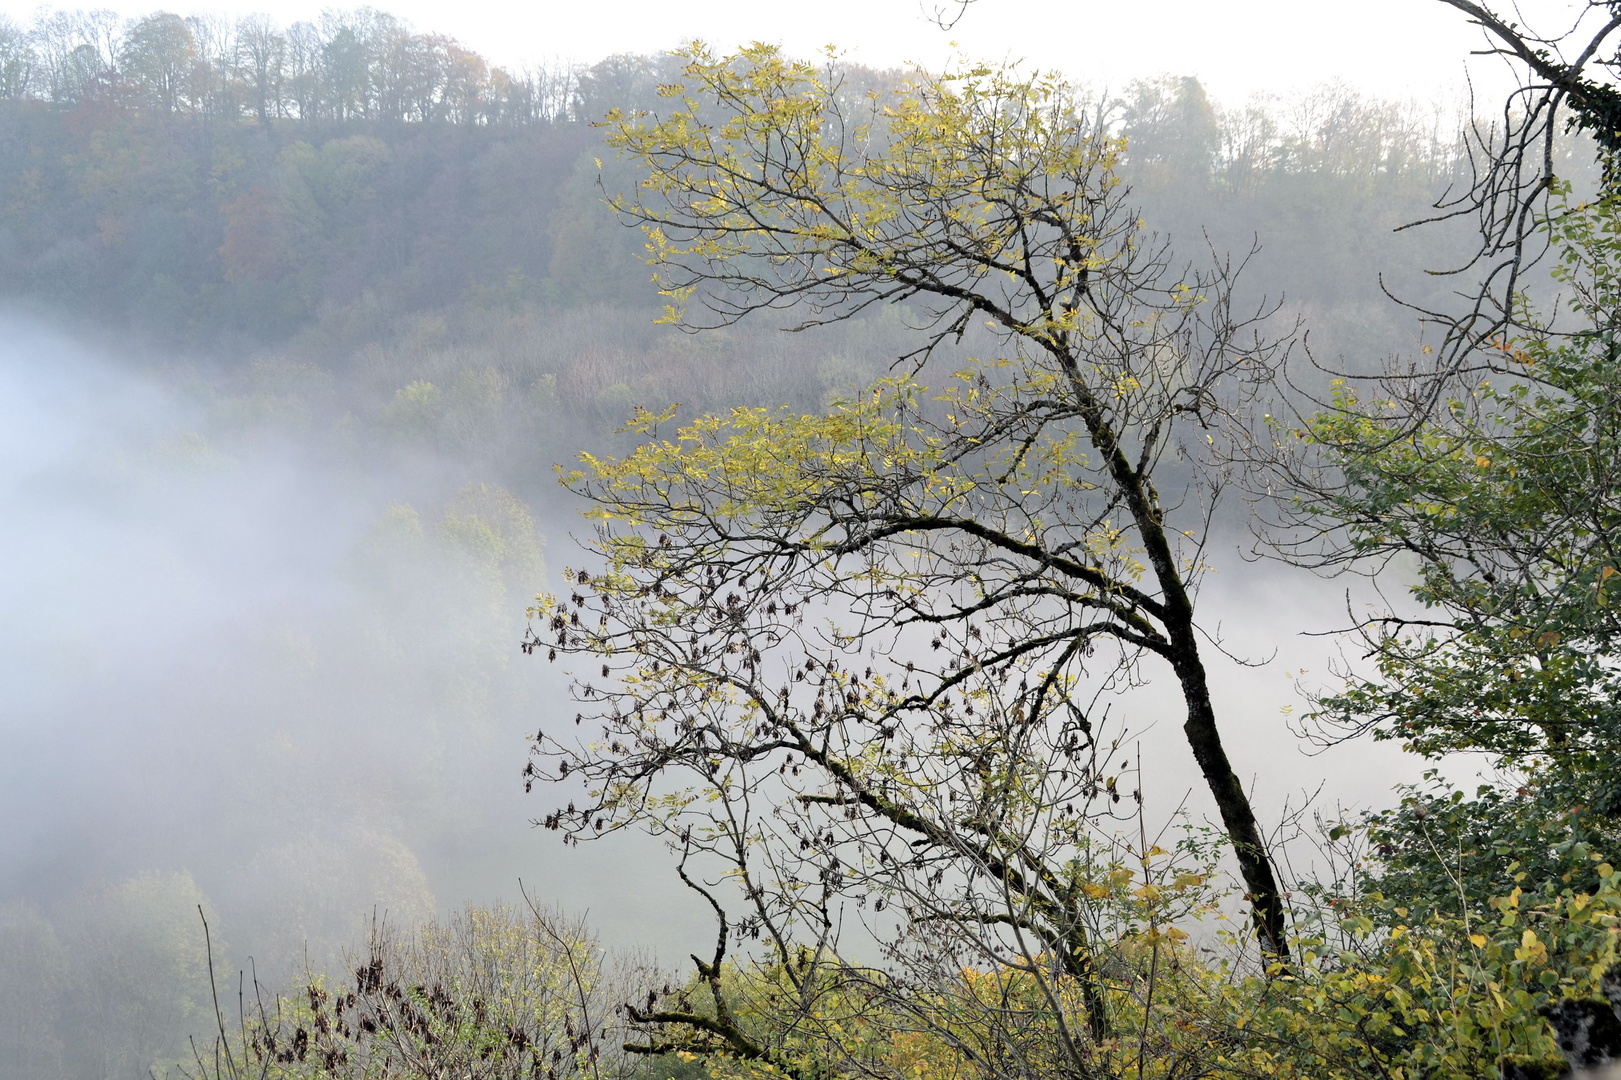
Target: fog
[276, 491]
[252, 673]
[253, 661]
[245, 661]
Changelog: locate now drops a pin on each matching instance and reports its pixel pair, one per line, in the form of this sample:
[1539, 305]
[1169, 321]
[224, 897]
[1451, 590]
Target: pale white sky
[1392, 48]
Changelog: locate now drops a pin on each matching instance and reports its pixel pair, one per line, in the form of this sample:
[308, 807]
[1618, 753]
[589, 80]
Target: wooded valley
[798, 493]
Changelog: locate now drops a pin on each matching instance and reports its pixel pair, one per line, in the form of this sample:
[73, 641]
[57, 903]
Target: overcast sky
[1391, 48]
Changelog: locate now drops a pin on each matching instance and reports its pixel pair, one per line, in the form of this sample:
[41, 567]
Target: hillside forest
[733, 565]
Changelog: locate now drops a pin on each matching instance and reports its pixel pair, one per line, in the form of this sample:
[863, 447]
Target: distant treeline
[229, 184]
[355, 65]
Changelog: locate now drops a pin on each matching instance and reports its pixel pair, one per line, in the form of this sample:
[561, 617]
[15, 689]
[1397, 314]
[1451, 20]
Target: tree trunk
[1237, 818]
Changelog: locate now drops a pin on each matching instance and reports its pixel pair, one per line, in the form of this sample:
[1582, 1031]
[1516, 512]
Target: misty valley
[730, 564]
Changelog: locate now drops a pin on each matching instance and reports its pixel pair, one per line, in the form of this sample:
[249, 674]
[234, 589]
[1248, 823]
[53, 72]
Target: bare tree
[1565, 84]
[261, 51]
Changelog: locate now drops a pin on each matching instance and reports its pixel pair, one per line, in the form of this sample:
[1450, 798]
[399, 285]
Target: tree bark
[1237, 818]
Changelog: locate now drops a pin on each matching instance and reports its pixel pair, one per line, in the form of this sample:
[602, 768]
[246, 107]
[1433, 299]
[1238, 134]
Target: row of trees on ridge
[360, 64]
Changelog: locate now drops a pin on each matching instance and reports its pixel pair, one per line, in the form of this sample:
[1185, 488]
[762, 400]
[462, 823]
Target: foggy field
[1101, 604]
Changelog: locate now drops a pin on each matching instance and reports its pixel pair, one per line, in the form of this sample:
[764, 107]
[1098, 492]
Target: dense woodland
[232, 192]
[354, 253]
[418, 273]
